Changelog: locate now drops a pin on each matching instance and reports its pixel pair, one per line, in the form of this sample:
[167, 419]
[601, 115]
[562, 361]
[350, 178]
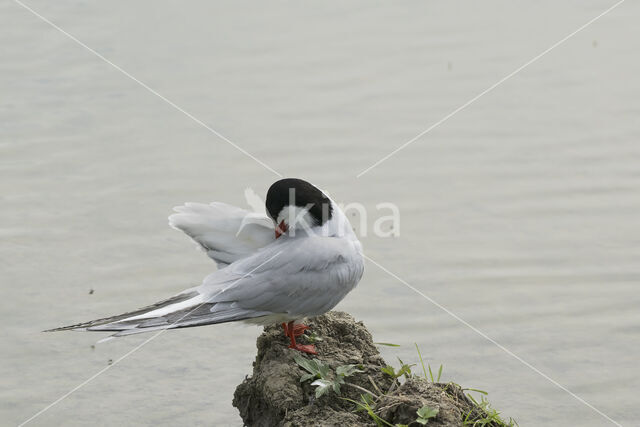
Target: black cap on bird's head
[292, 201]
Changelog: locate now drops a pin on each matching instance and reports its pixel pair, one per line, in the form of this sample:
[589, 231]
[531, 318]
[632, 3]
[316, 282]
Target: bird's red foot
[308, 348]
[292, 331]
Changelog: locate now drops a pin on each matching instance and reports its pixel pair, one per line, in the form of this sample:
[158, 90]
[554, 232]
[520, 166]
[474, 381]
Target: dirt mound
[275, 395]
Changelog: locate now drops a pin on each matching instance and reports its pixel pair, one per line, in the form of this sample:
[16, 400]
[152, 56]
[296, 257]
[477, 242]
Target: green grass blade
[421, 361]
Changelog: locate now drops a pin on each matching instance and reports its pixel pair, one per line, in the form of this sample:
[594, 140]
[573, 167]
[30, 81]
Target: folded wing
[287, 279]
[297, 277]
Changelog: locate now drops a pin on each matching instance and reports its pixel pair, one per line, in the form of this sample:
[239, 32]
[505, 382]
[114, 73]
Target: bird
[297, 260]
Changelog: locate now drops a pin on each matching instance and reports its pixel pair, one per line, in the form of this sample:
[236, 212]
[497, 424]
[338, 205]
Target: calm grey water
[520, 214]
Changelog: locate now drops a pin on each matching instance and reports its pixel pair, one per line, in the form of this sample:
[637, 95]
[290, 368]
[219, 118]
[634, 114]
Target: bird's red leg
[299, 329]
[290, 331]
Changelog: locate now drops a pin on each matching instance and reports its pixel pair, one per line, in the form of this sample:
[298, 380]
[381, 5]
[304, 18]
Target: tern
[298, 260]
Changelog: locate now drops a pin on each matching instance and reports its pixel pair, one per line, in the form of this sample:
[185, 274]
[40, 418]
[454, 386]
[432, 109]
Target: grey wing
[301, 278]
[307, 278]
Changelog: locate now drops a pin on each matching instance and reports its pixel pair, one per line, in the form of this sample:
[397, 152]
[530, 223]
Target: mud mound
[275, 396]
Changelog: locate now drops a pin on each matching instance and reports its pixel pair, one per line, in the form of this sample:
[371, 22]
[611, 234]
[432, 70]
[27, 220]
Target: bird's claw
[292, 331]
[305, 348]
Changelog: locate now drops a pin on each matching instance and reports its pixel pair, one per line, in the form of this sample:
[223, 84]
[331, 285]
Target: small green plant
[490, 416]
[426, 413]
[314, 367]
[404, 369]
[388, 344]
[433, 380]
[325, 378]
[476, 390]
[367, 405]
[314, 338]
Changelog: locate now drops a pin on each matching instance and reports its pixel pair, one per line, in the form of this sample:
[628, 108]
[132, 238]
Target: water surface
[520, 214]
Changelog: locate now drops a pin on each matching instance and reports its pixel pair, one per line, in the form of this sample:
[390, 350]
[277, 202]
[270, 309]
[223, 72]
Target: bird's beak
[281, 229]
